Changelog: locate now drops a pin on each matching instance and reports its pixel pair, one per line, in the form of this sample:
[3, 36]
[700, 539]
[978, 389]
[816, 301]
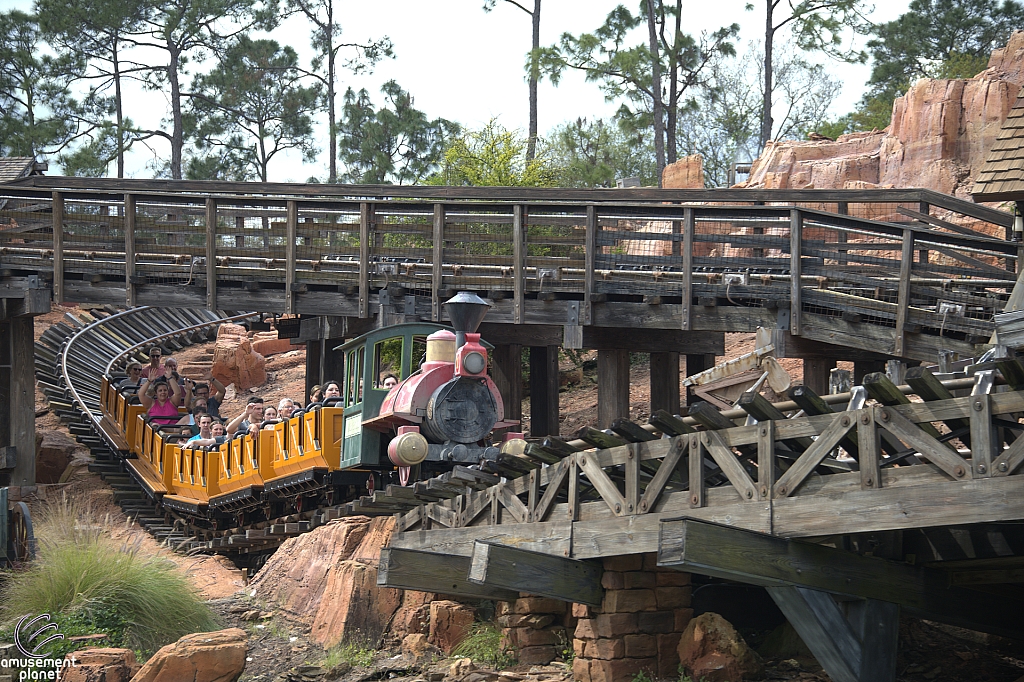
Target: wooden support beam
[796, 228]
[612, 386]
[816, 373]
[436, 276]
[695, 364]
[211, 254]
[518, 262]
[17, 396]
[903, 293]
[58, 248]
[314, 367]
[291, 231]
[365, 219]
[665, 382]
[507, 373]
[428, 572]
[853, 642]
[688, 228]
[760, 559]
[543, 391]
[590, 257]
[129, 250]
[501, 566]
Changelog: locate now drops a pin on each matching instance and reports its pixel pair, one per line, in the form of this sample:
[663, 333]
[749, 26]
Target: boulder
[235, 361]
[54, 452]
[711, 649]
[202, 657]
[417, 647]
[686, 173]
[100, 665]
[450, 623]
[267, 344]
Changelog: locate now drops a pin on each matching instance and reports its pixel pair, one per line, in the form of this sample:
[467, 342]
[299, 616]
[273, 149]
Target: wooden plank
[129, 250]
[543, 391]
[790, 481]
[688, 229]
[365, 218]
[1009, 459]
[509, 568]
[291, 232]
[731, 467]
[553, 537]
[765, 460]
[518, 261]
[21, 400]
[668, 466]
[796, 224]
[590, 255]
[985, 447]
[612, 386]
[211, 254]
[665, 382]
[739, 554]
[903, 297]
[437, 274]
[428, 572]
[58, 247]
[604, 485]
[869, 444]
[695, 453]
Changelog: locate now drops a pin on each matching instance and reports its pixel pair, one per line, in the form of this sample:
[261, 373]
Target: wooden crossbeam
[505, 567]
[761, 559]
[428, 572]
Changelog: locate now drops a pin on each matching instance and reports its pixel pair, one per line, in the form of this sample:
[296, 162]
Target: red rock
[449, 624]
[711, 648]
[536, 655]
[267, 344]
[54, 452]
[629, 601]
[673, 597]
[638, 580]
[235, 361]
[683, 618]
[202, 657]
[606, 649]
[580, 669]
[521, 638]
[417, 647]
[100, 665]
[532, 605]
[653, 622]
[581, 611]
[622, 669]
[616, 624]
[672, 578]
[651, 561]
[686, 173]
[626, 562]
[640, 646]
[1007, 63]
[668, 654]
[586, 628]
[612, 580]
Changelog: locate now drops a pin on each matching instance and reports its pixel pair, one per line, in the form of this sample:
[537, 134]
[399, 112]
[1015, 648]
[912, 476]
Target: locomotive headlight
[474, 363]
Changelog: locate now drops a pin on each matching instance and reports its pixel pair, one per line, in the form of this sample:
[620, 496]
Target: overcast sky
[466, 65]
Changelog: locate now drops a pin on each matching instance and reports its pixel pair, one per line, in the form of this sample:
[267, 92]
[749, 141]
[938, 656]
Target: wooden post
[129, 250]
[543, 391]
[17, 396]
[816, 374]
[437, 268]
[665, 382]
[507, 373]
[765, 459]
[843, 208]
[984, 446]
[903, 298]
[58, 248]
[868, 449]
[612, 386]
[590, 256]
[688, 229]
[695, 364]
[211, 253]
[239, 232]
[291, 231]
[796, 229]
[519, 261]
[365, 216]
[332, 362]
[314, 367]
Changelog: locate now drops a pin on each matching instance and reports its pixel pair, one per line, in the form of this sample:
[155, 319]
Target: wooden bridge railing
[884, 258]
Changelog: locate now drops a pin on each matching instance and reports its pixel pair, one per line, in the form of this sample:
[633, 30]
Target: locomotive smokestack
[466, 311]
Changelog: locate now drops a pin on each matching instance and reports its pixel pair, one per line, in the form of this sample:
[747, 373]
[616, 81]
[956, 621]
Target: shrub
[90, 583]
[353, 653]
[483, 645]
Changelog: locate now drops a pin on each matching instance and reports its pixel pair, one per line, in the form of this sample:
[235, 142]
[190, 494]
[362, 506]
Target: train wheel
[23, 539]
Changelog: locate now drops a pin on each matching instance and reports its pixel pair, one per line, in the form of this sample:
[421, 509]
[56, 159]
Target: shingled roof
[1002, 176]
[17, 167]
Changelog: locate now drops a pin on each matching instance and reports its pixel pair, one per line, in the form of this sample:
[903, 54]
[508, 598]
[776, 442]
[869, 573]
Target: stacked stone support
[638, 625]
[537, 628]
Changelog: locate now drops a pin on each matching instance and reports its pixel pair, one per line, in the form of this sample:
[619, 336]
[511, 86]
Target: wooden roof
[1002, 176]
[18, 167]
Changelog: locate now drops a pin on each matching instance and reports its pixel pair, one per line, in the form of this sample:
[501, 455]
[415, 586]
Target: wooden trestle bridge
[843, 506]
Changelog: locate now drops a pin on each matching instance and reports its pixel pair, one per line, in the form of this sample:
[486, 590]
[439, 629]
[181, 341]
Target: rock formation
[202, 657]
[100, 665]
[712, 650]
[938, 137]
[686, 173]
[235, 361]
[54, 451]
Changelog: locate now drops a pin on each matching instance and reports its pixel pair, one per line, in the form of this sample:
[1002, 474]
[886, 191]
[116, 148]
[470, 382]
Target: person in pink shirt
[160, 401]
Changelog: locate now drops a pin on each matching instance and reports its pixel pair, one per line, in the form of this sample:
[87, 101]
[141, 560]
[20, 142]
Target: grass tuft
[483, 645]
[353, 653]
[91, 583]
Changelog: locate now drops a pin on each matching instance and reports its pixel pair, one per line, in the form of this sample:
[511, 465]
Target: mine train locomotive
[444, 411]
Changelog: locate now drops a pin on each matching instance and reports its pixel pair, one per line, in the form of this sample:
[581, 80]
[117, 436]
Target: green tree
[626, 72]
[394, 144]
[192, 30]
[532, 67]
[100, 32]
[815, 25]
[596, 154]
[327, 46]
[251, 107]
[938, 39]
[493, 156]
[37, 113]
